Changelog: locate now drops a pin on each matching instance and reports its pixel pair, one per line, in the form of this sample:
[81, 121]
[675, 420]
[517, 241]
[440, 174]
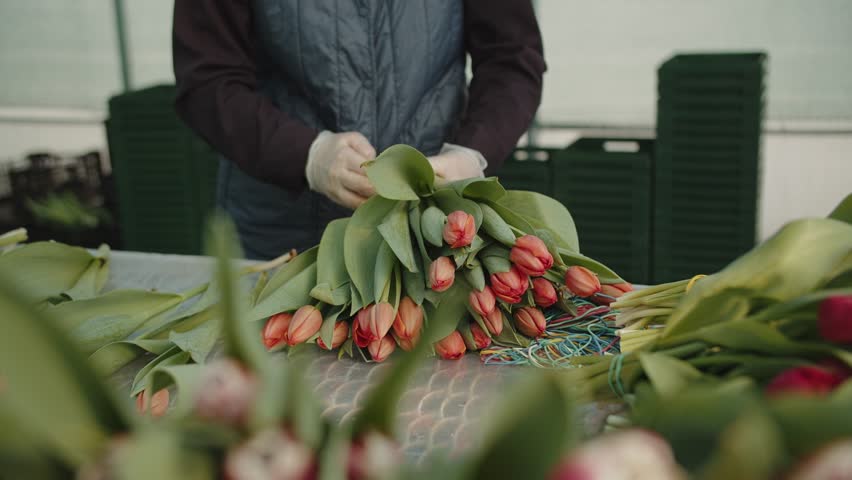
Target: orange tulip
[407, 344]
[409, 319]
[372, 323]
[442, 273]
[611, 293]
[509, 286]
[494, 322]
[544, 292]
[305, 324]
[530, 321]
[531, 256]
[481, 338]
[158, 405]
[341, 333]
[380, 349]
[451, 347]
[275, 330]
[582, 281]
[482, 302]
[459, 229]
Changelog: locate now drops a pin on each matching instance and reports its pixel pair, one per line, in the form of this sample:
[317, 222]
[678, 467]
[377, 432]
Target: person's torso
[393, 70]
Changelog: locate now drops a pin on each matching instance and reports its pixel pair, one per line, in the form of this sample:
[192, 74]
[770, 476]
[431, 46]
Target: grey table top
[443, 406]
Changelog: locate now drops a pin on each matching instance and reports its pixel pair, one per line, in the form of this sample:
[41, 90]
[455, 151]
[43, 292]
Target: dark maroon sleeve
[217, 94]
[504, 43]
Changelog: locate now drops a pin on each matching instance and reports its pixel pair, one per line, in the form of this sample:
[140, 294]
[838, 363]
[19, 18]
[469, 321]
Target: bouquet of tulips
[782, 312]
[486, 258]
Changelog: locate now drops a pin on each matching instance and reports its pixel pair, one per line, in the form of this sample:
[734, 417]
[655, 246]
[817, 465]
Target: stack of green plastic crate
[165, 176]
[707, 162]
[609, 196]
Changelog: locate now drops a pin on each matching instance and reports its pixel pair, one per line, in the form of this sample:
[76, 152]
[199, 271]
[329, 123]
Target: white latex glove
[457, 163]
[334, 167]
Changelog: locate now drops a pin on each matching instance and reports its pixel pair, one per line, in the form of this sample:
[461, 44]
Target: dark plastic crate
[529, 168]
[165, 175]
[608, 192]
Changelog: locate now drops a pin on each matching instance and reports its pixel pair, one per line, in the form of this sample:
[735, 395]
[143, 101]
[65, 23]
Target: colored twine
[591, 332]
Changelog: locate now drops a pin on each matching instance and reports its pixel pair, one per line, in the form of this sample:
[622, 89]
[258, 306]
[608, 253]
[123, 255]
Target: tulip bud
[531, 256]
[835, 319]
[341, 333]
[805, 380]
[611, 293]
[409, 319]
[373, 456]
[530, 321]
[509, 286]
[442, 272]
[272, 453]
[481, 338]
[380, 349]
[482, 302]
[460, 229]
[305, 324]
[544, 292]
[275, 330]
[494, 322]
[226, 392]
[451, 347]
[158, 405]
[407, 344]
[581, 281]
[372, 323]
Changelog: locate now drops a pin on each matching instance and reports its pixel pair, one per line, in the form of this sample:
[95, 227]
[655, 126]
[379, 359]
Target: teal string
[614, 375]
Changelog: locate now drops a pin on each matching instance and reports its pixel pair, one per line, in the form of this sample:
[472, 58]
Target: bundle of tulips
[489, 259]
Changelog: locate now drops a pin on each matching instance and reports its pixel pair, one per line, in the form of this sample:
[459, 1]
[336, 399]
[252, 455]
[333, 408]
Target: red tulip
[582, 282]
[451, 347]
[805, 380]
[494, 322]
[272, 453]
[460, 229]
[409, 319]
[482, 302]
[544, 292]
[275, 330]
[612, 292]
[158, 405]
[835, 319]
[530, 321]
[509, 286]
[442, 273]
[373, 456]
[341, 333]
[372, 323]
[305, 324]
[481, 338]
[226, 392]
[380, 349]
[531, 256]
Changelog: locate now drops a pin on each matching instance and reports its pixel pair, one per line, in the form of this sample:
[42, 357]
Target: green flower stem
[16, 236]
[780, 310]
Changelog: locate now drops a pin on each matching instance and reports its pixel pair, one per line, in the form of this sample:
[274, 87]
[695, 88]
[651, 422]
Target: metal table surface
[441, 410]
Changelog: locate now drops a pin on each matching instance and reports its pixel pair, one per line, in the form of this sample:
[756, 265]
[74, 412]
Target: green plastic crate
[165, 175]
[707, 162]
[529, 168]
[608, 193]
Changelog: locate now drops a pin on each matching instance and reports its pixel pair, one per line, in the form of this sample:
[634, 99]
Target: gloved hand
[457, 163]
[334, 167]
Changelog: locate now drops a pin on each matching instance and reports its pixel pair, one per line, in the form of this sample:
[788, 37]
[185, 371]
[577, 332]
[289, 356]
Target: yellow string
[693, 280]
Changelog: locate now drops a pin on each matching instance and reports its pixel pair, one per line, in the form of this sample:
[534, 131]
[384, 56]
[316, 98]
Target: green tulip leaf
[172, 356]
[288, 297]
[543, 212]
[44, 270]
[289, 271]
[414, 283]
[363, 241]
[445, 317]
[475, 277]
[49, 385]
[394, 229]
[198, 342]
[111, 357]
[339, 296]
[495, 258]
[668, 375]
[483, 189]
[843, 211]
[495, 226]
[432, 225]
[141, 305]
[186, 379]
[414, 221]
[401, 173]
[331, 269]
[93, 279]
[328, 322]
[384, 262]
